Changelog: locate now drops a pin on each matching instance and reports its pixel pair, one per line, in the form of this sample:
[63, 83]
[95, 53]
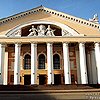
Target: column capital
[3, 45]
[18, 43]
[97, 43]
[66, 42]
[49, 42]
[82, 43]
[32, 42]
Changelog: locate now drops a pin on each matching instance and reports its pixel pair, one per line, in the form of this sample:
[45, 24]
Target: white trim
[62, 26]
[43, 54]
[58, 54]
[26, 54]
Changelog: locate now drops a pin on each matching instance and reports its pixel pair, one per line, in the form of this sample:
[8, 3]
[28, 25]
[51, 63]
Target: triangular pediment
[75, 26]
[49, 11]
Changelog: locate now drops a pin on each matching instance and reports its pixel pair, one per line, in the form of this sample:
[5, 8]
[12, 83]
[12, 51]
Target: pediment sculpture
[41, 31]
[16, 33]
[66, 33]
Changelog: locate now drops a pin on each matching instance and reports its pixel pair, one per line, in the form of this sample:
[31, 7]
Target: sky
[79, 8]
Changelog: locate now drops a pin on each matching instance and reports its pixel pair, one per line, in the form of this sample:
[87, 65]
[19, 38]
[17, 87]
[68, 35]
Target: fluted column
[83, 69]
[50, 63]
[33, 63]
[2, 53]
[97, 56]
[66, 64]
[17, 64]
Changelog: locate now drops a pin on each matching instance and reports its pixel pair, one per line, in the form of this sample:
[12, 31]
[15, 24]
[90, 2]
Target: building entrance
[57, 79]
[27, 79]
[42, 79]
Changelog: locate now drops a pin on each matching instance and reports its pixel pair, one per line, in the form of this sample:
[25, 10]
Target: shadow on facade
[22, 92]
[37, 92]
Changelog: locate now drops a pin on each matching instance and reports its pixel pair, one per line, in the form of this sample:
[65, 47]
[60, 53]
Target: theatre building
[44, 46]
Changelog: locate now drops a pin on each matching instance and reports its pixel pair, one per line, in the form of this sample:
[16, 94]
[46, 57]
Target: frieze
[41, 30]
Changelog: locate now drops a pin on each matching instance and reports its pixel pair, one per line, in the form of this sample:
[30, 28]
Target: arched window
[56, 61]
[41, 62]
[27, 61]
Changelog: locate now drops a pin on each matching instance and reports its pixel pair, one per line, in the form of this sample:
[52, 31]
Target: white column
[17, 64]
[33, 63]
[97, 56]
[2, 53]
[5, 70]
[78, 66]
[50, 63]
[66, 64]
[83, 68]
[94, 68]
[89, 67]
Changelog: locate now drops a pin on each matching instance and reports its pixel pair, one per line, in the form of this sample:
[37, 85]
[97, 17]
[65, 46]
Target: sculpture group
[41, 31]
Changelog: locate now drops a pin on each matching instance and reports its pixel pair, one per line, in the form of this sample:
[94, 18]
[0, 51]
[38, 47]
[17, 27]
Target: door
[27, 79]
[57, 79]
[42, 79]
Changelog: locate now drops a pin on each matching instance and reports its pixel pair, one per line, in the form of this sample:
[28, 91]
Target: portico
[49, 71]
[40, 50]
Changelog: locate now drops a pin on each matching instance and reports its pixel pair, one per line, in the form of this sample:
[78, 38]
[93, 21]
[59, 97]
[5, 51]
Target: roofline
[53, 12]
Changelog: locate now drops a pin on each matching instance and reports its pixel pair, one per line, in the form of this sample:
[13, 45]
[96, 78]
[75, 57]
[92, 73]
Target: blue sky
[79, 8]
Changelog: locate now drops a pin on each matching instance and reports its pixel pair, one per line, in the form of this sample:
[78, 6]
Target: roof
[52, 12]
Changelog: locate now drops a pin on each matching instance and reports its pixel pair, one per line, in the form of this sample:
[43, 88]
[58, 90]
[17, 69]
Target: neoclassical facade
[43, 46]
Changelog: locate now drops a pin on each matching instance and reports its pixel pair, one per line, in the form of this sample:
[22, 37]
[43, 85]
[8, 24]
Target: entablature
[23, 40]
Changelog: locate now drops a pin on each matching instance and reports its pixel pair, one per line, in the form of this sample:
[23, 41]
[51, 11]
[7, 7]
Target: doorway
[27, 79]
[42, 79]
[57, 79]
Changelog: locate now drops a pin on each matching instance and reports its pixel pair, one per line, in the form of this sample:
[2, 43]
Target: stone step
[45, 87]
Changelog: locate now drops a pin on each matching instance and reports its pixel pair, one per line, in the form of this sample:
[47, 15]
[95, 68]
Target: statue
[33, 31]
[94, 19]
[41, 30]
[50, 32]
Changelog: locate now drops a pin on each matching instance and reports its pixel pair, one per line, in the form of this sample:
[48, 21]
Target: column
[50, 63]
[94, 69]
[2, 53]
[66, 64]
[33, 63]
[78, 66]
[17, 64]
[83, 68]
[97, 57]
[89, 67]
[5, 70]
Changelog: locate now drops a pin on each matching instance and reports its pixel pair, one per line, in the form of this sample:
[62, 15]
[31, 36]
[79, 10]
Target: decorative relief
[66, 33]
[17, 33]
[32, 31]
[71, 53]
[41, 31]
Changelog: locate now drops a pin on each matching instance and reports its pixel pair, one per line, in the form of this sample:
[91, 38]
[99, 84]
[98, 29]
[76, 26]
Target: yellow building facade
[43, 46]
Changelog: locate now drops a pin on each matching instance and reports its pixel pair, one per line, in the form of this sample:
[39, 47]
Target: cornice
[52, 12]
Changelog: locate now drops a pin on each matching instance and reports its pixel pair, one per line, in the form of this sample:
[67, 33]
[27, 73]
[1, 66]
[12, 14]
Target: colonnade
[67, 75]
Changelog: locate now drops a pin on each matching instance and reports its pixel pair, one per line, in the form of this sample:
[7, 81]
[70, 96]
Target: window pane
[41, 62]
[56, 61]
[27, 62]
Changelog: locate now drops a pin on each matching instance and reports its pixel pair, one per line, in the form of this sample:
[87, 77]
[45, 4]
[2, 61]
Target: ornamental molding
[41, 30]
[16, 33]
